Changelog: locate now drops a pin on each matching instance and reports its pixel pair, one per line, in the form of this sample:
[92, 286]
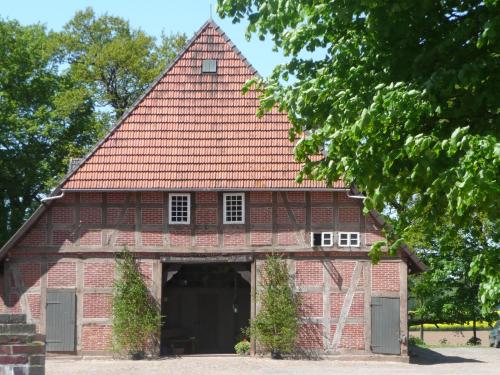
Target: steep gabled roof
[194, 130]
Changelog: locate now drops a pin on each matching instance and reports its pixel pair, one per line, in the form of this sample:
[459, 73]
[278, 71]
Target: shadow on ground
[423, 356]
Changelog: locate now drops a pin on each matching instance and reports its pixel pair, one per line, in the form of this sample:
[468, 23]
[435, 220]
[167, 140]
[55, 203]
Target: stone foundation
[22, 351]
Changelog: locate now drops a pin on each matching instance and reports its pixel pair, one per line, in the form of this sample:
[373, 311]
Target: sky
[152, 16]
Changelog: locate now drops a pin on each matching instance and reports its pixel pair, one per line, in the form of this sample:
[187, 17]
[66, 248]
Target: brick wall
[386, 277]
[140, 222]
[78, 235]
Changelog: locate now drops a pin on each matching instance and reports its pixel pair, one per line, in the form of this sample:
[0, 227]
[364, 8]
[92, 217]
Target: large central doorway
[205, 307]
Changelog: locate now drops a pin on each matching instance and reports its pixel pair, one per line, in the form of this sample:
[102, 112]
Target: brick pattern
[322, 215]
[206, 197]
[62, 215]
[336, 303]
[61, 275]
[385, 277]
[90, 215]
[357, 309]
[96, 337]
[125, 238]
[234, 237]
[352, 337]
[152, 238]
[91, 237]
[372, 231]
[152, 197]
[97, 305]
[261, 197]
[321, 197]
[311, 304]
[349, 214]
[206, 237]
[98, 274]
[261, 215]
[34, 304]
[261, 237]
[287, 238]
[310, 337]
[152, 216]
[119, 227]
[180, 237]
[308, 272]
[30, 274]
[206, 216]
[90, 197]
[340, 273]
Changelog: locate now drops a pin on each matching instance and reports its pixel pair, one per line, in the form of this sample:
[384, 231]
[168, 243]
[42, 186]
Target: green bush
[242, 348]
[416, 341]
[277, 322]
[474, 341]
[136, 315]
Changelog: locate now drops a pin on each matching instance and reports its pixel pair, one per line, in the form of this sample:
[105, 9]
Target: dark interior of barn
[205, 307]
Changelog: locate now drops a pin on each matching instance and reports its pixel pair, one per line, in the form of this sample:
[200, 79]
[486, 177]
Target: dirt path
[455, 361]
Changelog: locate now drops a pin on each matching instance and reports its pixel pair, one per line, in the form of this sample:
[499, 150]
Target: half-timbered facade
[200, 190]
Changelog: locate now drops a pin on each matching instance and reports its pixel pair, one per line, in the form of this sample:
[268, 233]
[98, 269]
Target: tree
[136, 315]
[44, 118]
[114, 62]
[448, 292]
[401, 100]
[277, 322]
[59, 93]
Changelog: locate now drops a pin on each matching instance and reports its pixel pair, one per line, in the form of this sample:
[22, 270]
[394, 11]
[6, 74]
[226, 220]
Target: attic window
[347, 239]
[322, 239]
[209, 66]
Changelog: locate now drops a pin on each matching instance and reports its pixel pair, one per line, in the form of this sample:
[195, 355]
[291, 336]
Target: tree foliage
[113, 61]
[59, 93]
[449, 291]
[401, 100]
[44, 118]
[277, 322]
[136, 315]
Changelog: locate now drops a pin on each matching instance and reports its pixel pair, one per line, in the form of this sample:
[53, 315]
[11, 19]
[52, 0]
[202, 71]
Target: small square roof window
[209, 66]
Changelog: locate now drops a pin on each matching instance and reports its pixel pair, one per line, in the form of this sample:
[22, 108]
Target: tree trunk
[474, 330]
[422, 331]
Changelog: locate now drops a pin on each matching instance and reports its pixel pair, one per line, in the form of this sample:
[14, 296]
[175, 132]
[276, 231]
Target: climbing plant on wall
[277, 322]
[136, 315]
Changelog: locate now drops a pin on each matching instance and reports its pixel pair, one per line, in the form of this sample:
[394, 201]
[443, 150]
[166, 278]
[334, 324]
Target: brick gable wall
[91, 222]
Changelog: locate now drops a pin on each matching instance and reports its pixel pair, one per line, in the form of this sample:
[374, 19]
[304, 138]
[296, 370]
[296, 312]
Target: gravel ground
[455, 361]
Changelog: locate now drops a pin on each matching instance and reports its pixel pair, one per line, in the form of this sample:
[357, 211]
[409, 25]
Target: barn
[200, 190]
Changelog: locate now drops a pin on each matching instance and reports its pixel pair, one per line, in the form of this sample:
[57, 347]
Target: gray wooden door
[61, 309]
[385, 325]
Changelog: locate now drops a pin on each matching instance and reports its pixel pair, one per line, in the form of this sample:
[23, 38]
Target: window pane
[179, 209]
[233, 208]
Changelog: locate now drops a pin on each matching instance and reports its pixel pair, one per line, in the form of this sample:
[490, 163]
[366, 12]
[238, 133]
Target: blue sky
[152, 16]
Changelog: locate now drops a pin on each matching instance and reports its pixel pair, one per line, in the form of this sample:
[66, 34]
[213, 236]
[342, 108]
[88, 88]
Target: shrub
[277, 322]
[242, 348]
[473, 341]
[136, 315]
[416, 341]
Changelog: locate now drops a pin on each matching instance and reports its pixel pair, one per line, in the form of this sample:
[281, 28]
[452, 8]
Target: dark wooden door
[208, 323]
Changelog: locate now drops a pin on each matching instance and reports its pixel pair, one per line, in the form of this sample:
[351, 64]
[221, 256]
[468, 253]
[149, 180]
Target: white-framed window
[234, 208]
[179, 208]
[322, 239]
[347, 239]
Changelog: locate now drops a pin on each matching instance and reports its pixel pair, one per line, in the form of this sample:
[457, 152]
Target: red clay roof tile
[196, 131]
